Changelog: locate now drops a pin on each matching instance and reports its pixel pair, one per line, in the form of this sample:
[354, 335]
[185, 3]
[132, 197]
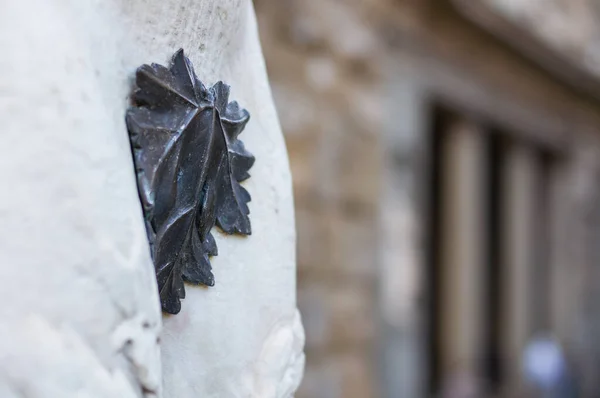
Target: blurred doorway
[488, 271]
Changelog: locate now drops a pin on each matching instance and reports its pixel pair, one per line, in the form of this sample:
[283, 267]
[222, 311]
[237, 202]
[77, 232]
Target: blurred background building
[446, 163]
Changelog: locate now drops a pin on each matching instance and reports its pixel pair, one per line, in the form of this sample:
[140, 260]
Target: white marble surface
[81, 315]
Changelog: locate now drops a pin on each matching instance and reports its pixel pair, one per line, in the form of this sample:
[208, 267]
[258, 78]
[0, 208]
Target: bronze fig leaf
[189, 164]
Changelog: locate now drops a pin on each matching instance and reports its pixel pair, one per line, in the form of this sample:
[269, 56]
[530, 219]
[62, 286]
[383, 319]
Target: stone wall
[325, 86]
[353, 82]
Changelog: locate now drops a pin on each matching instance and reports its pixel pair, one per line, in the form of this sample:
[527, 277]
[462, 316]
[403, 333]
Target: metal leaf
[189, 164]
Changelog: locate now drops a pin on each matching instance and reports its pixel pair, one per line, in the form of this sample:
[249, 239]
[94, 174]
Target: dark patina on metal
[189, 164]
